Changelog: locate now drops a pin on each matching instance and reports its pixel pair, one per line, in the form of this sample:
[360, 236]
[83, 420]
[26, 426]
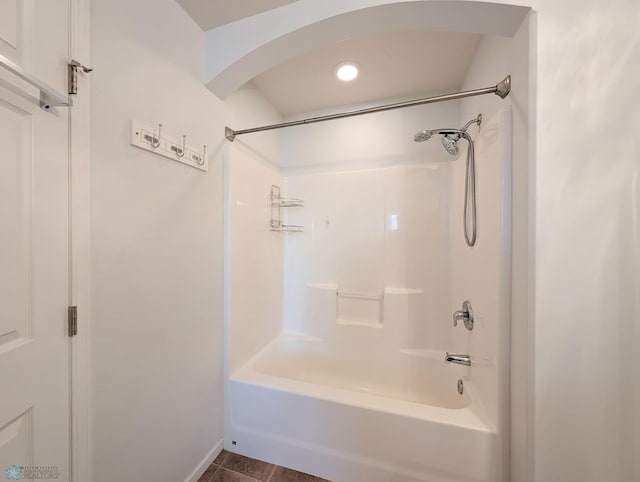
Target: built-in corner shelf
[277, 204]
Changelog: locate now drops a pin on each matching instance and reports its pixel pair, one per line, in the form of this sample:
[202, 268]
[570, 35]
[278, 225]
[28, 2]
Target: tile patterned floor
[230, 467]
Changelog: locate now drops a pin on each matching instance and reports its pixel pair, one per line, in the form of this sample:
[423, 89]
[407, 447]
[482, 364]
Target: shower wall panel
[254, 270]
[482, 273]
[376, 244]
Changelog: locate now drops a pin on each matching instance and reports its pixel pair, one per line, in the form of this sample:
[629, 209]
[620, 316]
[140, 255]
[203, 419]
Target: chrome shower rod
[501, 89]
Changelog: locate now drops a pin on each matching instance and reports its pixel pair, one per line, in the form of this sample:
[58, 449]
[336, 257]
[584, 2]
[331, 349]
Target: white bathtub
[384, 417]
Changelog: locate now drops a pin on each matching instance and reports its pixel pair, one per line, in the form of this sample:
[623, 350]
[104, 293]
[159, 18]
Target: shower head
[450, 143]
[450, 137]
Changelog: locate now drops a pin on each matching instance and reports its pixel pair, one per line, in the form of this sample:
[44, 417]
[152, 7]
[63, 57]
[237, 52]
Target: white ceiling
[392, 65]
[213, 13]
[397, 64]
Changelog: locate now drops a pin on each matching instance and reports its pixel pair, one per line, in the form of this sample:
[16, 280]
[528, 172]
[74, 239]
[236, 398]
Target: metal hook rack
[146, 138]
[277, 203]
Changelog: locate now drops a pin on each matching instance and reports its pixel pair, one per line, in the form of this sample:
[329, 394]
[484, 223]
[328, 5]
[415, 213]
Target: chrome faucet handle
[465, 314]
[458, 315]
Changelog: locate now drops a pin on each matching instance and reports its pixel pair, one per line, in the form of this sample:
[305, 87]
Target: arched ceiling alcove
[239, 51]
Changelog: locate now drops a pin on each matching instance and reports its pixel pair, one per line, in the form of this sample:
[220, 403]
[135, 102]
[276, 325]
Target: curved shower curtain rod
[501, 89]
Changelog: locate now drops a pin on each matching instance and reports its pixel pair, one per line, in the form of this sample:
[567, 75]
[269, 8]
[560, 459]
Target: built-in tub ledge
[402, 291]
[323, 286]
[385, 291]
[366, 309]
[423, 353]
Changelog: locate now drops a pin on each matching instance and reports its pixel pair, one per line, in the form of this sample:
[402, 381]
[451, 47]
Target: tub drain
[460, 386]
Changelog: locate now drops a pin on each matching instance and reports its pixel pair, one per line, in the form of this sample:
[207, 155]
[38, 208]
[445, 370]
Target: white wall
[587, 298]
[247, 108]
[157, 247]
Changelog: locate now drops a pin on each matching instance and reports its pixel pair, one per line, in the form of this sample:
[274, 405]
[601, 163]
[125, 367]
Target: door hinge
[73, 320]
[74, 67]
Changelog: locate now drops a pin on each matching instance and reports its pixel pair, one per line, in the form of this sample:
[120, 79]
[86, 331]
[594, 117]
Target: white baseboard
[206, 462]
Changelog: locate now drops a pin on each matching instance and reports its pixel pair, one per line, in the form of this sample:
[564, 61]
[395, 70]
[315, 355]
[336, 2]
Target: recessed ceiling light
[347, 71]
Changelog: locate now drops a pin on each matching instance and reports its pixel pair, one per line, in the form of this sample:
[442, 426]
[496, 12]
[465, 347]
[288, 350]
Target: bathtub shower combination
[367, 329]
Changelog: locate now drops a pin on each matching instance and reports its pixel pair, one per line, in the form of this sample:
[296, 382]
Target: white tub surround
[348, 382]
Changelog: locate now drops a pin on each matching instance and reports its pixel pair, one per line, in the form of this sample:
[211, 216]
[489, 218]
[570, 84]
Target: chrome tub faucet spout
[458, 359]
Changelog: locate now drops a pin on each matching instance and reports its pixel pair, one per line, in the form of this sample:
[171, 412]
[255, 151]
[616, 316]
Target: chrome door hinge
[74, 67]
[73, 320]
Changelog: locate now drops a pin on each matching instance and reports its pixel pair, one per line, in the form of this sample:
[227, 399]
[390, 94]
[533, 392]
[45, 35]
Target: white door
[34, 245]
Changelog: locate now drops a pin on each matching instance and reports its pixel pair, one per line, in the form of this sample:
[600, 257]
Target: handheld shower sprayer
[423, 136]
[449, 139]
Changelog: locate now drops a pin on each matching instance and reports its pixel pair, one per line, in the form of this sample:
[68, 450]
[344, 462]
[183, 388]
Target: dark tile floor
[230, 467]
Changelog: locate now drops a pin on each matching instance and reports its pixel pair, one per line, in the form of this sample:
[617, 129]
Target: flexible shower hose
[470, 192]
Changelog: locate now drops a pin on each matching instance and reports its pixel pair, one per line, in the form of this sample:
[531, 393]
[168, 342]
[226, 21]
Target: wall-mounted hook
[204, 155]
[156, 143]
[180, 152]
[160, 142]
